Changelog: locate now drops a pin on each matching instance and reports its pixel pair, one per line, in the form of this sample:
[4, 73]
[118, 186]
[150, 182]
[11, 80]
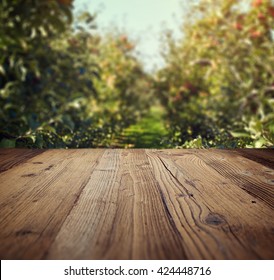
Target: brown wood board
[12, 157]
[136, 204]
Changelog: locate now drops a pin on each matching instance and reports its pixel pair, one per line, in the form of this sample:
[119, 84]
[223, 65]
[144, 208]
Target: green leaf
[260, 143]
[240, 134]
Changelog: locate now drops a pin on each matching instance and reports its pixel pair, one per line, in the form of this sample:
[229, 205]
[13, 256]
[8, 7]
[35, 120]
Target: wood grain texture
[11, 157]
[216, 218]
[36, 198]
[136, 204]
[251, 176]
[120, 215]
[262, 156]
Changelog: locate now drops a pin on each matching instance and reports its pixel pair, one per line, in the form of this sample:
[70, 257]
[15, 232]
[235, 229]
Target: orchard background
[64, 85]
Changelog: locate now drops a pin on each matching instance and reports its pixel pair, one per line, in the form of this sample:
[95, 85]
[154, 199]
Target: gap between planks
[36, 199]
[136, 204]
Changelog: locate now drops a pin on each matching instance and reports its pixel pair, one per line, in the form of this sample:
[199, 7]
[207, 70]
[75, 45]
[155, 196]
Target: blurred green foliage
[218, 85]
[149, 132]
[62, 86]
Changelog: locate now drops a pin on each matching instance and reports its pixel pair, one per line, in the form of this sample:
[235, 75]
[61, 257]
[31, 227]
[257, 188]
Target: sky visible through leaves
[143, 20]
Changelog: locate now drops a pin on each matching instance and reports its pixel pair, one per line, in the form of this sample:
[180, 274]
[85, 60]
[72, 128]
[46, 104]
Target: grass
[149, 132]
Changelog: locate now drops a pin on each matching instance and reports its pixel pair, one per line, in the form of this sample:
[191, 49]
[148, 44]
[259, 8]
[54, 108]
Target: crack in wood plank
[136, 204]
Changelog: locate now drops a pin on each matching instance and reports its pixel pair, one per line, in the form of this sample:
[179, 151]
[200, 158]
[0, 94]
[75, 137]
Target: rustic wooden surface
[136, 204]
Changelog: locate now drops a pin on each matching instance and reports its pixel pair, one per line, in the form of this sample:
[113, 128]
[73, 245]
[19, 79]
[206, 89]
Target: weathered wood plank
[36, 198]
[136, 204]
[12, 157]
[262, 156]
[120, 215]
[251, 176]
[216, 218]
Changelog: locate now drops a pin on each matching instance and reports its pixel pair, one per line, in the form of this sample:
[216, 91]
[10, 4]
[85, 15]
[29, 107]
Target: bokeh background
[136, 74]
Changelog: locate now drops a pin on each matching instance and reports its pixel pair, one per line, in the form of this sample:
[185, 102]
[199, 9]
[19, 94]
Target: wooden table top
[136, 204]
